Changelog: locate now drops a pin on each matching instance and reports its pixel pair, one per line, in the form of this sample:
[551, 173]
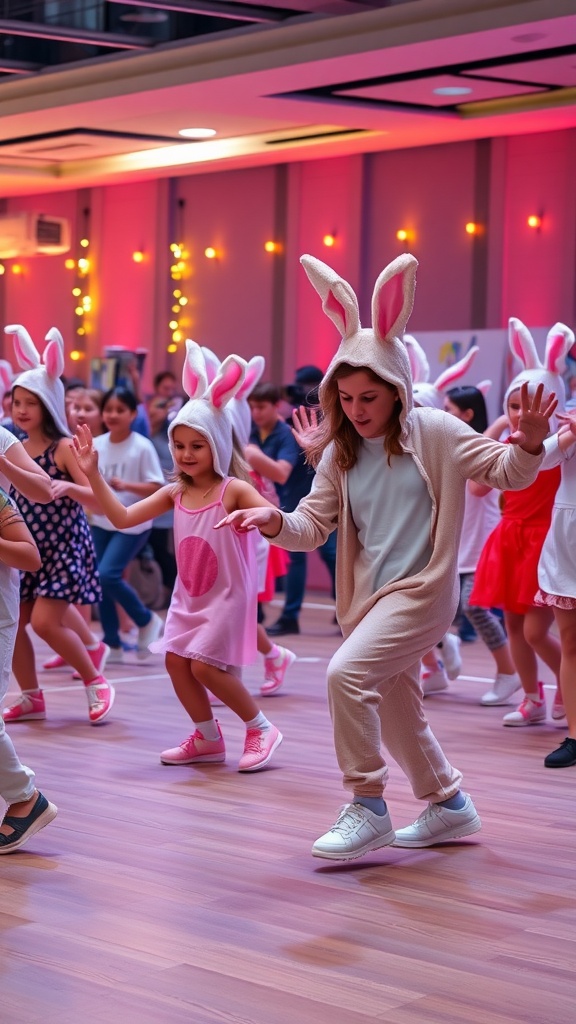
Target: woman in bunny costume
[211, 623]
[68, 575]
[392, 479]
[507, 572]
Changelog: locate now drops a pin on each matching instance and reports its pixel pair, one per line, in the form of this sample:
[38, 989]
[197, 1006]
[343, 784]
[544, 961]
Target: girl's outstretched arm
[120, 516]
[248, 510]
[23, 473]
[17, 546]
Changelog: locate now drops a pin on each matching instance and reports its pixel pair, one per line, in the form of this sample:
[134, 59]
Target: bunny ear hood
[208, 410]
[558, 343]
[42, 374]
[380, 347]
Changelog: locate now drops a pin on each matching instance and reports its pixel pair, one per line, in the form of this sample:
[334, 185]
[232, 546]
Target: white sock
[209, 730]
[260, 722]
[273, 653]
[93, 646]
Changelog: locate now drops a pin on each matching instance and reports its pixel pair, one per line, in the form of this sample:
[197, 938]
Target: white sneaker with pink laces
[275, 669]
[529, 712]
[29, 707]
[433, 682]
[100, 696]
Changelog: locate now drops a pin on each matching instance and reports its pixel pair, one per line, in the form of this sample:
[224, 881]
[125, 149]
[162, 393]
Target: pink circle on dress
[197, 565]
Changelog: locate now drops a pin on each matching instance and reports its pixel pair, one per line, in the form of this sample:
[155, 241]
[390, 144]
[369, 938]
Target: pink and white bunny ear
[227, 382]
[212, 363]
[522, 344]
[27, 355]
[194, 377]
[339, 301]
[393, 297]
[254, 369]
[558, 344]
[5, 377]
[419, 365]
[448, 378]
[53, 355]
[484, 387]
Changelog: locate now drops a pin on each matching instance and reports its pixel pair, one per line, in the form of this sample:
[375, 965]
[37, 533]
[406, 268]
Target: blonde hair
[335, 426]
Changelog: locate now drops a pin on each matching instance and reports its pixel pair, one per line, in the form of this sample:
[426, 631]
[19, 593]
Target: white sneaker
[529, 712]
[433, 682]
[437, 824]
[451, 655]
[502, 690]
[356, 831]
[148, 634]
[116, 656]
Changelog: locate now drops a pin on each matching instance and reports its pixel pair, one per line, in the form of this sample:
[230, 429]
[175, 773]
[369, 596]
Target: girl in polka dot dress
[68, 575]
[211, 623]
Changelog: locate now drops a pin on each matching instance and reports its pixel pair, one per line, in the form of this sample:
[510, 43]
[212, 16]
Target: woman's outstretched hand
[245, 519]
[83, 448]
[534, 422]
[305, 422]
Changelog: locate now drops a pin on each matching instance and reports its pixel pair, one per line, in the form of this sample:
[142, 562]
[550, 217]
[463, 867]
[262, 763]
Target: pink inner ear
[23, 357]
[555, 352]
[53, 360]
[515, 344]
[230, 378]
[190, 380]
[390, 304]
[333, 306]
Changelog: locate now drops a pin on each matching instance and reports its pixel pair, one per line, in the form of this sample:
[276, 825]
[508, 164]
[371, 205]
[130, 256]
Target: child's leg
[277, 661]
[523, 655]
[566, 622]
[537, 623]
[24, 660]
[49, 619]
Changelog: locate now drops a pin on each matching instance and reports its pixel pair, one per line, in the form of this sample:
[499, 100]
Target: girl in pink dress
[211, 623]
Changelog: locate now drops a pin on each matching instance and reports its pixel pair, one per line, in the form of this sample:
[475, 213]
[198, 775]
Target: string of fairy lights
[81, 290]
[179, 322]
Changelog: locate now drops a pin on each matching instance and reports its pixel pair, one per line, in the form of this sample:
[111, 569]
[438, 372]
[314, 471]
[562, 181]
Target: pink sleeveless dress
[213, 611]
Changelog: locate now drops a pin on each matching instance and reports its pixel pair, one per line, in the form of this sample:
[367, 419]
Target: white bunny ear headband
[380, 347]
[432, 395]
[42, 375]
[239, 409]
[559, 341]
[208, 409]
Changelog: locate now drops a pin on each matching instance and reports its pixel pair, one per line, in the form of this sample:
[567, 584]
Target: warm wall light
[272, 246]
[138, 256]
[330, 240]
[75, 355]
[211, 253]
[17, 268]
[172, 348]
[472, 228]
[535, 221]
[404, 235]
[84, 242]
[2, 269]
[69, 264]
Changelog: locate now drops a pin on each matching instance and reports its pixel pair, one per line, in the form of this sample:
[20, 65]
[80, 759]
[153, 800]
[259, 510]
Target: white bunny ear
[212, 363]
[448, 378]
[254, 369]
[522, 344]
[393, 297]
[339, 301]
[5, 377]
[194, 377]
[53, 355]
[419, 365]
[558, 344]
[27, 355]
[484, 387]
[227, 382]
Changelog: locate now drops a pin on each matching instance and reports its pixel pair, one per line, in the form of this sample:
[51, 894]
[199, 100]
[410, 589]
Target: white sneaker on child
[451, 655]
[503, 689]
[529, 712]
[433, 681]
[148, 634]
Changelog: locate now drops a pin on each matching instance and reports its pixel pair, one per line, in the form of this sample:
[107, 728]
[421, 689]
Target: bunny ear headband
[380, 347]
[239, 409]
[6, 376]
[559, 341]
[207, 411]
[42, 374]
[432, 395]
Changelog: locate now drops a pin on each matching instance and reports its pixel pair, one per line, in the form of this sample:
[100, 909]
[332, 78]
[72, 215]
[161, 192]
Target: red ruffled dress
[507, 573]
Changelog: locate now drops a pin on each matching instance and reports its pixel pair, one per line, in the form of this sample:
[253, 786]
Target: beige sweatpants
[375, 699]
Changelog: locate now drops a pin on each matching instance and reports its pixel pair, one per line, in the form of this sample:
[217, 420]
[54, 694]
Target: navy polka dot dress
[69, 569]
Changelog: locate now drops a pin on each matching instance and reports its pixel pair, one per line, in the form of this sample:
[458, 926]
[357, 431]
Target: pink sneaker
[29, 707]
[274, 671]
[259, 746]
[98, 657]
[196, 750]
[529, 712]
[55, 662]
[100, 696]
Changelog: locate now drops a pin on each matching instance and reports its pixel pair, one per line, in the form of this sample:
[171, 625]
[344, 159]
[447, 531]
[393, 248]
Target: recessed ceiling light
[528, 37]
[197, 133]
[452, 90]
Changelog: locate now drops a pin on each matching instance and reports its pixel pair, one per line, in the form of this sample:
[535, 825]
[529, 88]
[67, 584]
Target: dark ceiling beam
[63, 34]
[216, 9]
[17, 67]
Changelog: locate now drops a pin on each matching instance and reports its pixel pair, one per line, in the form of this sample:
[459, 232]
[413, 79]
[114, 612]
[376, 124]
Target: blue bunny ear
[27, 355]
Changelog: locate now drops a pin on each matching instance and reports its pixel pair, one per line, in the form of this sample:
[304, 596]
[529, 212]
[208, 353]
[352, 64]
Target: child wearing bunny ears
[507, 572]
[211, 623]
[392, 480]
[68, 576]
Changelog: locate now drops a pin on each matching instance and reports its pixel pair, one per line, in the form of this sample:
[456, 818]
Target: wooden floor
[167, 895]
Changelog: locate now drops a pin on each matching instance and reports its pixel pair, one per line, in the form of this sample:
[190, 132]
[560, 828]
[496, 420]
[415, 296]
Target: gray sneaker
[356, 831]
[437, 824]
